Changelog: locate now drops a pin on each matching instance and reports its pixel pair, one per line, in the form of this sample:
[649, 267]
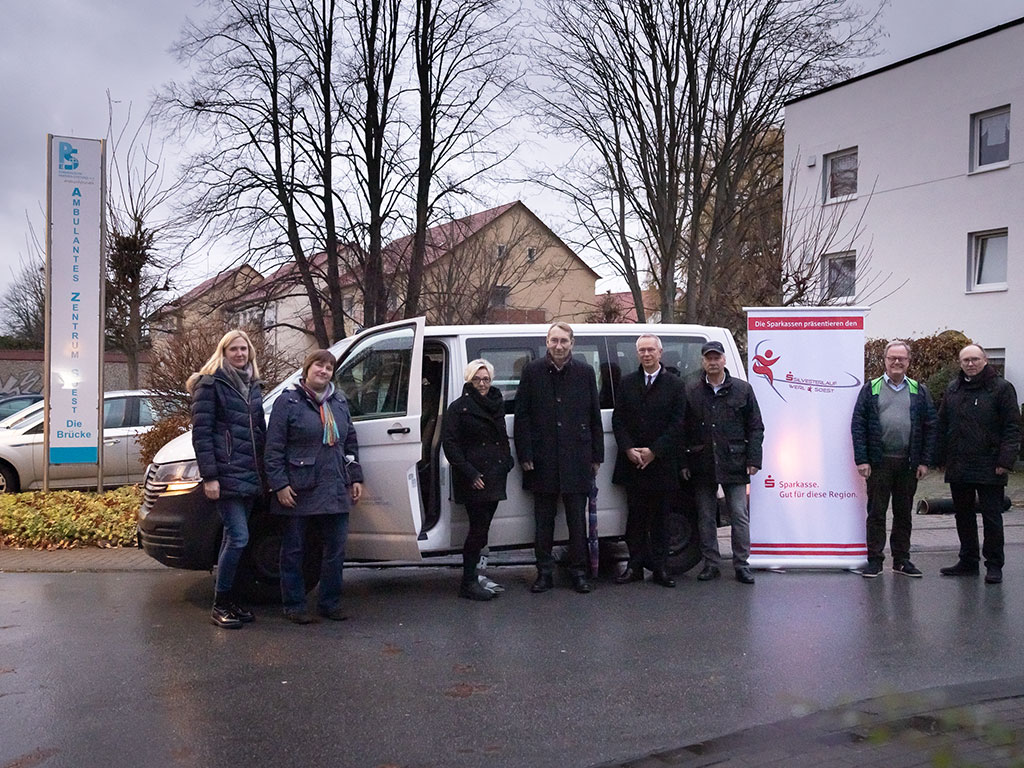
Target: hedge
[65, 519]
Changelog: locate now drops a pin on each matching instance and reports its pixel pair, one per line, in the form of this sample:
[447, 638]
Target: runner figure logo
[762, 366]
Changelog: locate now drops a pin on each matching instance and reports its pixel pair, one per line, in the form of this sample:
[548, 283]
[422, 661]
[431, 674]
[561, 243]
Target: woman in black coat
[476, 444]
[228, 430]
[312, 462]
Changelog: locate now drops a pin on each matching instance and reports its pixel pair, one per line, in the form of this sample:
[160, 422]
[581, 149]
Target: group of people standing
[975, 434]
[308, 457]
[706, 430]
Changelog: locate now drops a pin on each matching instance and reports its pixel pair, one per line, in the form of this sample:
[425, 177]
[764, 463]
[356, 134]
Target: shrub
[65, 519]
[933, 358]
[162, 432]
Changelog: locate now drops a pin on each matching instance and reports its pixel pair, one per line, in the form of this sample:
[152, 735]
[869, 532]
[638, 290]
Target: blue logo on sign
[68, 161]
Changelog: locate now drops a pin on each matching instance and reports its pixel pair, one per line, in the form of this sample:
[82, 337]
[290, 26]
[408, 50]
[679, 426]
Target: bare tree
[140, 235]
[462, 69]
[24, 301]
[263, 106]
[674, 102]
[374, 147]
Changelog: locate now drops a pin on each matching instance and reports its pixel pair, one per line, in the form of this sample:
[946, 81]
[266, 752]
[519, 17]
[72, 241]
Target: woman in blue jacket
[228, 431]
[312, 462]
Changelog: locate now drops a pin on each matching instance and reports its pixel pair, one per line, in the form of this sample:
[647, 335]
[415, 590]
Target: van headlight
[176, 476]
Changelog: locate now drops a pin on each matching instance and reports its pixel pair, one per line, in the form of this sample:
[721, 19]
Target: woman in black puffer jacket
[476, 444]
[228, 434]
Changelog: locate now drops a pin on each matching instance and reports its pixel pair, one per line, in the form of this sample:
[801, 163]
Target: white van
[399, 378]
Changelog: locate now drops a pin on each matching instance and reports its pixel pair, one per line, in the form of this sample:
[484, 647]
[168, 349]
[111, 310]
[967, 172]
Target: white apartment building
[918, 162]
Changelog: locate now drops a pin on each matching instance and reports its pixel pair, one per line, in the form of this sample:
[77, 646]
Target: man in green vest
[893, 430]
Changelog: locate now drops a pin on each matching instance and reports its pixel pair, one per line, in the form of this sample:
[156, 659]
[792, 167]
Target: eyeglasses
[895, 359]
[971, 360]
[481, 379]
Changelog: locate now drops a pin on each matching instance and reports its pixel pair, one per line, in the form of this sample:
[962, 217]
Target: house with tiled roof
[207, 300]
[502, 265]
[281, 306]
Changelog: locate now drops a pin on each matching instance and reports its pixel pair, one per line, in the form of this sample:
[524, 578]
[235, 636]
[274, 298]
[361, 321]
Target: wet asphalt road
[101, 669]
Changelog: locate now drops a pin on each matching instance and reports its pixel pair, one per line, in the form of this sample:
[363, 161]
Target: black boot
[471, 588]
[222, 615]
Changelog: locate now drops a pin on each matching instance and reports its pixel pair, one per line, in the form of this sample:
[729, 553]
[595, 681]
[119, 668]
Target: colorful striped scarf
[331, 433]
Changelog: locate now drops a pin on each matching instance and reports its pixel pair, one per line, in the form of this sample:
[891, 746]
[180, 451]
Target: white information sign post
[73, 384]
[806, 365]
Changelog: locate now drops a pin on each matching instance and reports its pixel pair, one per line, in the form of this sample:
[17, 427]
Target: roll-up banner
[807, 504]
[75, 276]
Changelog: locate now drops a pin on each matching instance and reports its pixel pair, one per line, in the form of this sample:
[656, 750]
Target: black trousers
[480, 515]
[545, 508]
[893, 479]
[969, 498]
[646, 534]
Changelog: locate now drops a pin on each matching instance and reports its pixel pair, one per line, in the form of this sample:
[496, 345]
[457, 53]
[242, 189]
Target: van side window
[374, 375]
[680, 354]
[610, 355]
[509, 357]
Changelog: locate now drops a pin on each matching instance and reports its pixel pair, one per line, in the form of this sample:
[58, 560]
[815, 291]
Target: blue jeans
[333, 530]
[234, 513]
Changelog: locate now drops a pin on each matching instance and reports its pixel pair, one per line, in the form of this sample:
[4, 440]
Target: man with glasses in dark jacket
[978, 443]
[893, 429]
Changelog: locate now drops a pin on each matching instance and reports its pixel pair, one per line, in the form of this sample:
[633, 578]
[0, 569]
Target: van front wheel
[259, 573]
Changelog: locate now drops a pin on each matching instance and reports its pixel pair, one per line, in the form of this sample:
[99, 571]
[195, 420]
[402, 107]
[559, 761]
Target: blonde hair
[476, 365]
[217, 358]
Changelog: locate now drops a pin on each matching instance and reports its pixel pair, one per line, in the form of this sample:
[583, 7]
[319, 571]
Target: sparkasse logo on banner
[807, 503]
[75, 298]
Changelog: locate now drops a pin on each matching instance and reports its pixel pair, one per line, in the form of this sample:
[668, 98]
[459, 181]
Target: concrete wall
[918, 195]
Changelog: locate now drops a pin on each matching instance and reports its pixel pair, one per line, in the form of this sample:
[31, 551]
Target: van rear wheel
[259, 573]
[683, 535]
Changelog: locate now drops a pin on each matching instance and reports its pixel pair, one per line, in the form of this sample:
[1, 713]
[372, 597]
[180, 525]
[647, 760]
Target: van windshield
[609, 356]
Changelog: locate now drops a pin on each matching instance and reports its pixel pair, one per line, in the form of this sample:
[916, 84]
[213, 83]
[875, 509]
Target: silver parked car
[12, 404]
[126, 415]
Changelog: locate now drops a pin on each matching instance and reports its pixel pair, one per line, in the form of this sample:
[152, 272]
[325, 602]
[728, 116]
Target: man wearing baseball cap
[724, 437]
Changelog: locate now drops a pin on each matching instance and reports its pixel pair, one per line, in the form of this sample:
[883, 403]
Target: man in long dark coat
[648, 421]
[560, 445]
[978, 444]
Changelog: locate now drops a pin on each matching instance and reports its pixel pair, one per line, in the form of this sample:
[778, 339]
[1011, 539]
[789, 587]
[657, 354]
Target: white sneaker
[490, 586]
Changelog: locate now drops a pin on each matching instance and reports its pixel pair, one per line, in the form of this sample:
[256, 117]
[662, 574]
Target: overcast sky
[59, 57]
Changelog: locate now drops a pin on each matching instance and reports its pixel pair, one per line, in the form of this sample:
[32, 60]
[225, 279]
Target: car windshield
[23, 417]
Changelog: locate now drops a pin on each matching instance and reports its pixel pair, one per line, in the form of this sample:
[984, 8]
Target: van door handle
[399, 431]
[111, 442]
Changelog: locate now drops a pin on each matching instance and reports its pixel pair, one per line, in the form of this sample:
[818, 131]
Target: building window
[990, 138]
[839, 276]
[997, 359]
[988, 261]
[499, 296]
[502, 250]
[531, 255]
[841, 175]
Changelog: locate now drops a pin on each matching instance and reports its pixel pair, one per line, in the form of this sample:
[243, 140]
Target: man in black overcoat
[978, 444]
[560, 445]
[648, 421]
